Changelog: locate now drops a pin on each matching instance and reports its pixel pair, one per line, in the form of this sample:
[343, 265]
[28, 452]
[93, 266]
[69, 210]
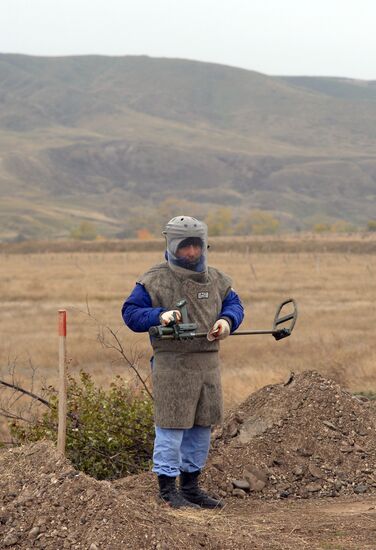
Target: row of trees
[222, 221]
[255, 222]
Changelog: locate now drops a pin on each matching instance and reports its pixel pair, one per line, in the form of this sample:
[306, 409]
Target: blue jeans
[180, 450]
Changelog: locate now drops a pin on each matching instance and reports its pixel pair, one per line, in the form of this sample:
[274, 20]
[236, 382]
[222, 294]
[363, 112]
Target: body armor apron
[186, 376]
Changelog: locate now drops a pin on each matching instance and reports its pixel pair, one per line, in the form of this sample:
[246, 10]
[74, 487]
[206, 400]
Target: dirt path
[324, 524]
[337, 523]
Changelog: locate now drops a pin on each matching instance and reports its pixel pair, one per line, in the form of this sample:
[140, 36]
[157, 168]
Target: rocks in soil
[218, 463]
[10, 539]
[309, 437]
[298, 471]
[360, 488]
[330, 425]
[240, 493]
[315, 471]
[313, 487]
[254, 480]
[241, 484]
[257, 481]
[34, 532]
[45, 503]
[232, 429]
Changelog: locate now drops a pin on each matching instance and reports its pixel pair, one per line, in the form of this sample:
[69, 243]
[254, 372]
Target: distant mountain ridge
[110, 138]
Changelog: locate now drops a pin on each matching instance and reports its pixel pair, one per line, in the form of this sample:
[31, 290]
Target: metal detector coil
[280, 333]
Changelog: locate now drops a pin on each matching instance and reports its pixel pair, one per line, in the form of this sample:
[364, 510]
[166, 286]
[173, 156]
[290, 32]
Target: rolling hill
[109, 139]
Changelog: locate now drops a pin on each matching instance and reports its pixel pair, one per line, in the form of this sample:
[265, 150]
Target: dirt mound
[45, 503]
[304, 438]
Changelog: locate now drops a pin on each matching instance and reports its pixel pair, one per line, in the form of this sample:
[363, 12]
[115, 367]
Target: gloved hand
[219, 331]
[167, 317]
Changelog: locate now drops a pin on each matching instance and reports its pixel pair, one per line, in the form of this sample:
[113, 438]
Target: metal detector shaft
[240, 332]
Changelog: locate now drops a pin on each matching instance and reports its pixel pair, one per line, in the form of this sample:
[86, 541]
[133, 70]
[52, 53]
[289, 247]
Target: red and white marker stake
[62, 426]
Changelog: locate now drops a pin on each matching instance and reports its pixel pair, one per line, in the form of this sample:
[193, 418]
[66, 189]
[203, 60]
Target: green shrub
[322, 227]
[86, 231]
[219, 221]
[368, 393]
[263, 223]
[371, 225]
[342, 226]
[109, 433]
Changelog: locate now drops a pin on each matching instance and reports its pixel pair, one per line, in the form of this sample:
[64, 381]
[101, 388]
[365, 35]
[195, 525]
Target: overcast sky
[278, 37]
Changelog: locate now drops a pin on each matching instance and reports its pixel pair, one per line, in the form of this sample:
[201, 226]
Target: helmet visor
[187, 250]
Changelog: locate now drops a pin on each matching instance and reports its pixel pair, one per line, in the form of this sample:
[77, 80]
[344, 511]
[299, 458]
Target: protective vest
[186, 377]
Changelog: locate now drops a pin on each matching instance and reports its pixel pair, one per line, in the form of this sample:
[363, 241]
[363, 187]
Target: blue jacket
[139, 315]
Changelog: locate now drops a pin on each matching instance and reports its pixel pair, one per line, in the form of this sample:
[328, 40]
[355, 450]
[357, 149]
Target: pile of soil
[306, 438]
[45, 503]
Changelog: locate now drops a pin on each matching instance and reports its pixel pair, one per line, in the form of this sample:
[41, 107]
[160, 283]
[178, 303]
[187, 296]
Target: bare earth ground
[46, 504]
[309, 468]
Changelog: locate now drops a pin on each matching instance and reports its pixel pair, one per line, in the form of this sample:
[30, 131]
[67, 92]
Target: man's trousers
[177, 450]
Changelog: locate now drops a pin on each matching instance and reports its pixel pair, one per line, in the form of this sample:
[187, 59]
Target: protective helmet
[185, 231]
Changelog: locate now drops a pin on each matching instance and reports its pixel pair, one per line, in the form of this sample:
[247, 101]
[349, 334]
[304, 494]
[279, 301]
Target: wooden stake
[62, 426]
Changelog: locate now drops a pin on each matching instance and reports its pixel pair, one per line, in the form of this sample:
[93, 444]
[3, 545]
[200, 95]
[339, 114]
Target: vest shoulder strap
[149, 276]
[223, 281]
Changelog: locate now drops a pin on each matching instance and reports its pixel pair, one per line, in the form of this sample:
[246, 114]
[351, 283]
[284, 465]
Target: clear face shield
[187, 244]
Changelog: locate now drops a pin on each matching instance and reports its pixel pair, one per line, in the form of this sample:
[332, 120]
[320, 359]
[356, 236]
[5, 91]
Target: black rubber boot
[191, 491]
[168, 493]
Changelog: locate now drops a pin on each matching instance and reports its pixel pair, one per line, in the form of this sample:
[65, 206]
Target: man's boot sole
[218, 506]
[189, 504]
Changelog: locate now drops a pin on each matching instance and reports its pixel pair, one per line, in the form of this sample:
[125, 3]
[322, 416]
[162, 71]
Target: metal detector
[286, 314]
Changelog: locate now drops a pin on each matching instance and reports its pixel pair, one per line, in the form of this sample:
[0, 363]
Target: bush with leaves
[109, 433]
[371, 225]
[86, 231]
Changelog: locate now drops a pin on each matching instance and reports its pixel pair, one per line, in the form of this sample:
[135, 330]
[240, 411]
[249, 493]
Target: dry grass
[334, 334]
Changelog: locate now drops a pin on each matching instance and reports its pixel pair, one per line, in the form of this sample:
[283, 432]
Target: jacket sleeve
[232, 310]
[137, 311]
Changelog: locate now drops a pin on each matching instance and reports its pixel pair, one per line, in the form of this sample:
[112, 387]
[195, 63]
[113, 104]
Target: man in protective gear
[186, 376]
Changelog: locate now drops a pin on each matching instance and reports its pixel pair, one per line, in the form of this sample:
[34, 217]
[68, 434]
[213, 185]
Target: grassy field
[334, 334]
